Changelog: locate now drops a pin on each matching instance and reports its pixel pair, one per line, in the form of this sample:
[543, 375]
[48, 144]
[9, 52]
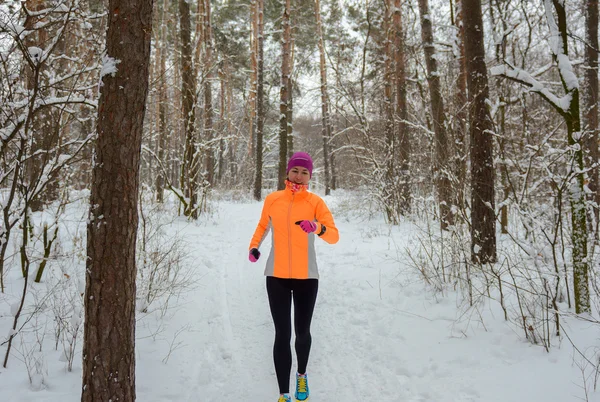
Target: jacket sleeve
[324, 218]
[262, 229]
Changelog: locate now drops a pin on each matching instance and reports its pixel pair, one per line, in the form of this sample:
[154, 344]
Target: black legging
[280, 292]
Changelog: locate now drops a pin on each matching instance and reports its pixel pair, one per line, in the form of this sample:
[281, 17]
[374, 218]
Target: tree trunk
[45, 128]
[402, 134]
[483, 219]
[162, 104]
[577, 193]
[189, 175]
[253, 75]
[461, 101]
[284, 93]
[260, 94]
[390, 197]
[208, 104]
[590, 113]
[109, 329]
[325, 119]
[441, 170]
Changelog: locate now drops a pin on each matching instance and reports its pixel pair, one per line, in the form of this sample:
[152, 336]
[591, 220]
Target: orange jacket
[293, 250]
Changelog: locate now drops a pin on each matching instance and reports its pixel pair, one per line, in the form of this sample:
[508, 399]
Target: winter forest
[456, 142]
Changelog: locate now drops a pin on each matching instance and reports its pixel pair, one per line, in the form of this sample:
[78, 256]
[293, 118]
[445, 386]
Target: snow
[378, 332]
[109, 67]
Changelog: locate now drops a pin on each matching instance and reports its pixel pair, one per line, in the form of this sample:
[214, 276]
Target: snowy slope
[378, 334]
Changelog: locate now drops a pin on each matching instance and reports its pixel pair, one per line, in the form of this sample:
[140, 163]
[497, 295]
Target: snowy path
[377, 334]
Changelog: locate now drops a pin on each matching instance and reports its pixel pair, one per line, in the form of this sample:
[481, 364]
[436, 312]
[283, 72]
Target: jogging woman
[296, 218]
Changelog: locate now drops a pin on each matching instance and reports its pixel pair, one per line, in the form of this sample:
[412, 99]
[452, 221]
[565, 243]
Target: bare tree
[162, 104]
[260, 95]
[461, 107]
[441, 169]
[590, 96]
[284, 95]
[189, 169]
[568, 108]
[325, 118]
[401, 133]
[109, 333]
[483, 218]
[208, 103]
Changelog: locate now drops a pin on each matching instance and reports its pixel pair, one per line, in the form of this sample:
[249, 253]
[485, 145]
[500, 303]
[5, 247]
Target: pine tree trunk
[162, 104]
[260, 112]
[461, 101]
[402, 134]
[325, 119]
[441, 170]
[389, 194]
[188, 92]
[284, 93]
[253, 75]
[208, 103]
[590, 113]
[483, 219]
[109, 329]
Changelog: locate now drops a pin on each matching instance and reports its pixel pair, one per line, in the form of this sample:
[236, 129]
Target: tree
[284, 92]
[161, 55]
[441, 169]
[483, 219]
[401, 113]
[590, 96]
[461, 102]
[109, 331]
[208, 103]
[568, 108]
[260, 95]
[189, 169]
[325, 118]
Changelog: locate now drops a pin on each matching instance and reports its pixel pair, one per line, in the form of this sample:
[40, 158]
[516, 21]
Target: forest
[475, 120]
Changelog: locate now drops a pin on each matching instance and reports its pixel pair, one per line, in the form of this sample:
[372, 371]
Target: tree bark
[325, 118]
[109, 329]
[590, 113]
[389, 193]
[208, 103]
[441, 170]
[401, 133]
[260, 94]
[483, 219]
[162, 104]
[577, 194]
[284, 93]
[253, 74]
[461, 99]
[189, 169]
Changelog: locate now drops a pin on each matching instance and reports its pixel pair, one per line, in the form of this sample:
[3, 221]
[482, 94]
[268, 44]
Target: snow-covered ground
[378, 333]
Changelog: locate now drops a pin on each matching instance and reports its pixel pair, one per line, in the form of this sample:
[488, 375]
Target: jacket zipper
[289, 220]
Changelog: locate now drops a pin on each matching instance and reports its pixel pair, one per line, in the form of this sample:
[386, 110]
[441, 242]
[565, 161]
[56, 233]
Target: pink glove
[307, 226]
[254, 255]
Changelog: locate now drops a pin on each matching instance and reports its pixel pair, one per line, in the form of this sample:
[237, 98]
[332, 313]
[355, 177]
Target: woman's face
[299, 175]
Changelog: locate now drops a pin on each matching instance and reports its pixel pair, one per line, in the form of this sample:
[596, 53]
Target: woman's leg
[280, 301]
[305, 296]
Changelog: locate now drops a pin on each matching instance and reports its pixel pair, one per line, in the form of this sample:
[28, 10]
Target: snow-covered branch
[561, 104]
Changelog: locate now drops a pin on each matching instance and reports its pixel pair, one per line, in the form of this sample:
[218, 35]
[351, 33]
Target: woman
[296, 217]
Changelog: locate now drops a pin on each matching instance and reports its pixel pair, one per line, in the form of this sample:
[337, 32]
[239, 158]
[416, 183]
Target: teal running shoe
[284, 398]
[302, 391]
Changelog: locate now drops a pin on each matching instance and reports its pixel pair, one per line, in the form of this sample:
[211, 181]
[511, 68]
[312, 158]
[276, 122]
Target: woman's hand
[253, 255]
[307, 226]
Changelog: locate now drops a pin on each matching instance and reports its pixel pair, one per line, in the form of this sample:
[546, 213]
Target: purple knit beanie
[300, 159]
